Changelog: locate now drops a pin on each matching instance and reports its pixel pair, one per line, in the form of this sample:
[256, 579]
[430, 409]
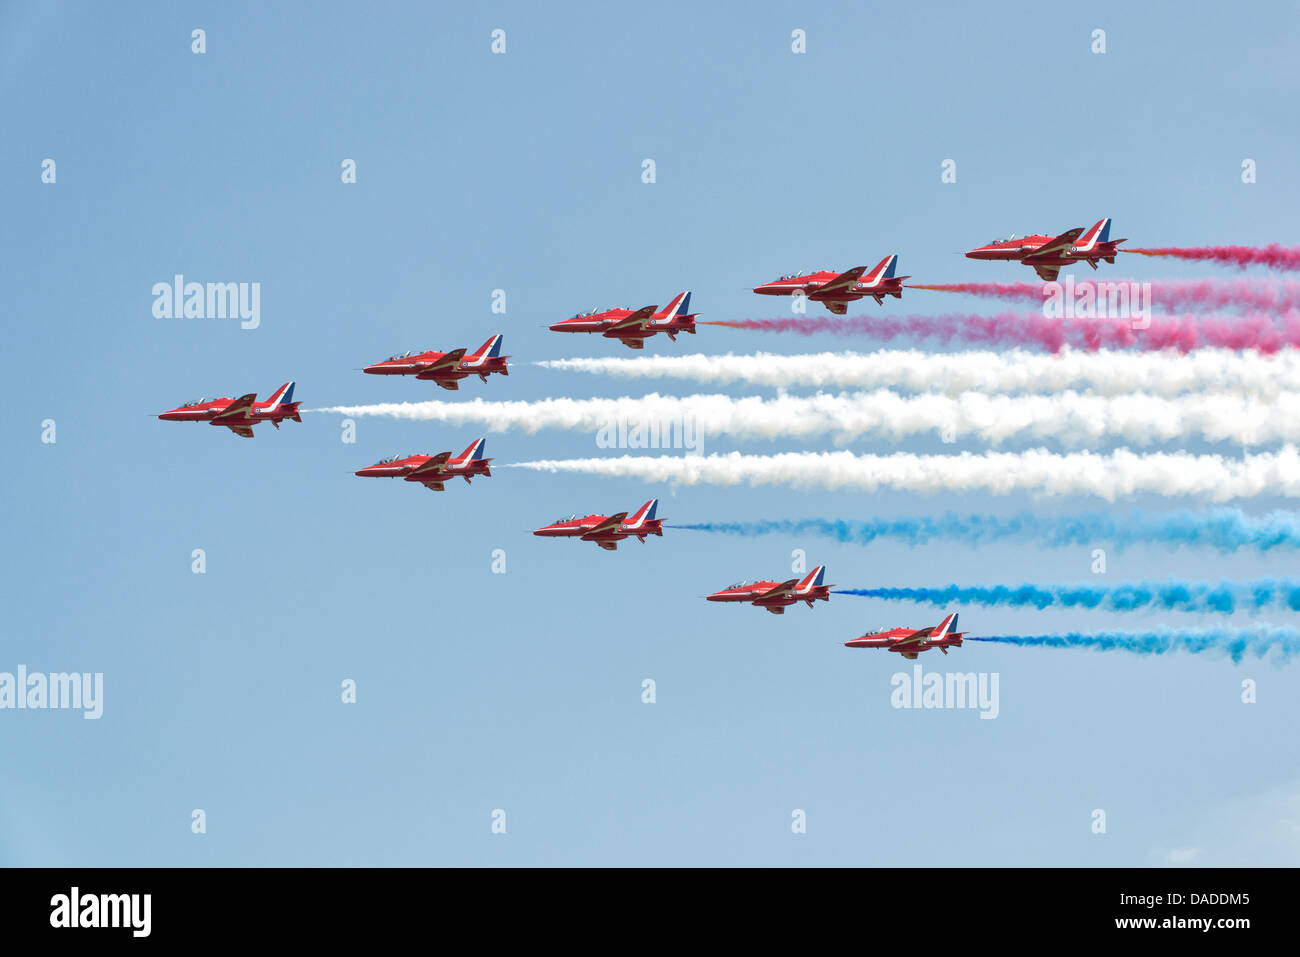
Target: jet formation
[632, 327]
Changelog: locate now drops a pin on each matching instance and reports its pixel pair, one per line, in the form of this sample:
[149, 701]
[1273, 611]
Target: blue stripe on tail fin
[282, 395]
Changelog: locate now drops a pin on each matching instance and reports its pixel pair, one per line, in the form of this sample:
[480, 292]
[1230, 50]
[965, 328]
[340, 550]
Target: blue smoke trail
[1225, 529]
[1281, 644]
[1222, 598]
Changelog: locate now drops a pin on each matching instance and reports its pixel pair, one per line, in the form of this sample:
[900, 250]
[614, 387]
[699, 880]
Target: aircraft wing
[609, 546]
[777, 591]
[1055, 246]
[844, 281]
[447, 361]
[451, 385]
[434, 486]
[915, 638]
[634, 321]
[633, 343]
[433, 465]
[238, 409]
[242, 430]
[839, 308]
[608, 525]
[1046, 273]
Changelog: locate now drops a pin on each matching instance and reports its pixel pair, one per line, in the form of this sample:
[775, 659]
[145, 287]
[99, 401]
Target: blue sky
[521, 691]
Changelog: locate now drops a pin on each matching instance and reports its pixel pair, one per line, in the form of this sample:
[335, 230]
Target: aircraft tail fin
[475, 451]
[946, 626]
[282, 396]
[815, 577]
[680, 306]
[1100, 233]
[883, 270]
[645, 513]
[489, 350]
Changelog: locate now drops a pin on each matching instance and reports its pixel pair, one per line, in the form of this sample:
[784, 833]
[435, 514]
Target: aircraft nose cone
[559, 326]
[365, 471]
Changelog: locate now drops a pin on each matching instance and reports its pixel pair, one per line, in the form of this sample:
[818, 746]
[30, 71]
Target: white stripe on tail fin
[680, 306]
[489, 350]
[1100, 232]
[281, 396]
[945, 626]
[816, 577]
[475, 451]
[884, 270]
[643, 514]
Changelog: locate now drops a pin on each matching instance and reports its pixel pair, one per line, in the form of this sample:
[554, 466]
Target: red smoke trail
[989, 290]
[1274, 256]
[1168, 293]
[1183, 333]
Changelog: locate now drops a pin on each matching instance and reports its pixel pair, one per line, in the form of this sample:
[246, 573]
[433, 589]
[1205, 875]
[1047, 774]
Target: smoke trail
[1274, 255]
[1279, 644]
[1260, 295]
[1115, 475]
[1104, 372]
[1222, 598]
[1069, 418]
[1224, 529]
[1035, 330]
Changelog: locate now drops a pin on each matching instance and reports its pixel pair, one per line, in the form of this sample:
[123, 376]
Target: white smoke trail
[1103, 373]
[1112, 476]
[1070, 418]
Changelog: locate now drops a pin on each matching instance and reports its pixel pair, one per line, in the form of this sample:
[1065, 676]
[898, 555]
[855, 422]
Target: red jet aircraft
[608, 530]
[1047, 255]
[239, 415]
[836, 290]
[909, 643]
[432, 471]
[777, 596]
[446, 368]
[633, 327]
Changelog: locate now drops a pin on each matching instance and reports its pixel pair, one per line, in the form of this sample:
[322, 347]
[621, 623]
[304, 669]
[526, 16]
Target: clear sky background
[522, 691]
